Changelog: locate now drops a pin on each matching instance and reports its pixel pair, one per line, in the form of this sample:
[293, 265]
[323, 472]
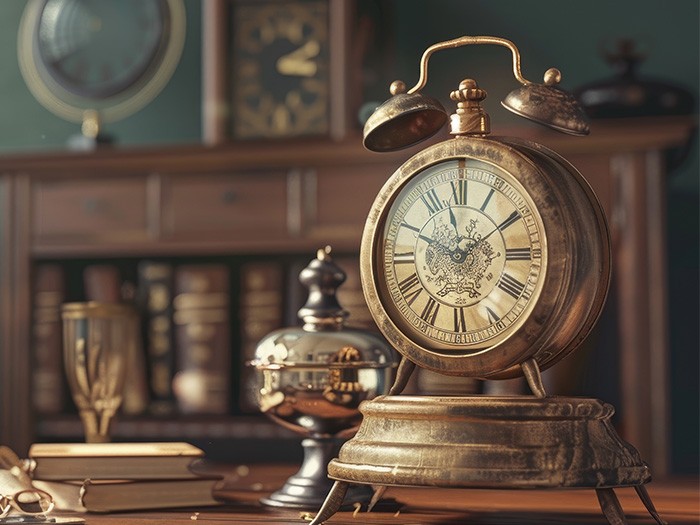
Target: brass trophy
[488, 258]
[312, 379]
[97, 339]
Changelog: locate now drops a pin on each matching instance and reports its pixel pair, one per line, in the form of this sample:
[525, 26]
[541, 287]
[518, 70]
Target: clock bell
[484, 257]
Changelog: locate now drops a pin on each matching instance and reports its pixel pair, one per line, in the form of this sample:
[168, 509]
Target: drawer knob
[91, 206]
[229, 197]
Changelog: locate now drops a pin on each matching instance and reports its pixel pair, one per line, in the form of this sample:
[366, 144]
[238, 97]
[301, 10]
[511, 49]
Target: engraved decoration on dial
[463, 259]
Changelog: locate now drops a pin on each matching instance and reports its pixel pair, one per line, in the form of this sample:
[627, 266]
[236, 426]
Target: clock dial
[462, 257]
[109, 57]
[98, 49]
[479, 255]
[281, 76]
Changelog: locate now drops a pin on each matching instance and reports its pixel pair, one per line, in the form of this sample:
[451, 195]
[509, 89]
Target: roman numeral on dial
[460, 323]
[410, 288]
[459, 191]
[429, 313]
[432, 201]
[407, 258]
[518, 254]
[511, 286]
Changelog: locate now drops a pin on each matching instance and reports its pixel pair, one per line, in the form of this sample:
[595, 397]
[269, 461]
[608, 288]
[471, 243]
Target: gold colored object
[97, 339]
[486, 258]
[312, 380]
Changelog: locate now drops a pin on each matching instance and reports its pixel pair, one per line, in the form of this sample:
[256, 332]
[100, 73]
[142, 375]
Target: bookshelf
[240, 203]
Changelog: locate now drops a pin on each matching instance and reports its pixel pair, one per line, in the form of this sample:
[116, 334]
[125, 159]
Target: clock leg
[531, 371]
[611, 507]
[646, 499]
[403, 374]
[378, 493]
[333, 502]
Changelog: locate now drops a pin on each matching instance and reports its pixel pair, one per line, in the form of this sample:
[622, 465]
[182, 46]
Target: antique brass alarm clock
[485, 257]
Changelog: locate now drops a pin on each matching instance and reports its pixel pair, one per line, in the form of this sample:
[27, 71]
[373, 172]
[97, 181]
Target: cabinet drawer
[249, 205]
[89, 208]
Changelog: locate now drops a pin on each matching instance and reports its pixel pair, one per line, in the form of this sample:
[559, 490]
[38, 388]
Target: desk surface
[678, 502]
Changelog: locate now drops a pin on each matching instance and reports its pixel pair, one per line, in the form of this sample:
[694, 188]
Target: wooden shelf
[69, 427]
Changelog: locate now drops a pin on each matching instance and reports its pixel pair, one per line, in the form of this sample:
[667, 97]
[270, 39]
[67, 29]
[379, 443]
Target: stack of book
[108, 477]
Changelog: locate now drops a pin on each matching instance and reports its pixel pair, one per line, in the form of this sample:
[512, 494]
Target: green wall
[173, 117]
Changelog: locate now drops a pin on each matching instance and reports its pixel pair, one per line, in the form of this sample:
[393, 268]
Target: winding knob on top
[470, 118]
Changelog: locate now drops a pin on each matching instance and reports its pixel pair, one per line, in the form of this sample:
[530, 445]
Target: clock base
[490, 442]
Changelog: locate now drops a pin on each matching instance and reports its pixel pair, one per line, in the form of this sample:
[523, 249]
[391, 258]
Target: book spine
[103, 283]
[261, 311]
[155, 299]
[202, 335]
[47, 374]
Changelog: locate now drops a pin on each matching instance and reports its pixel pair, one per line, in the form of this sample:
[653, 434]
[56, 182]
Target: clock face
[462, 257]
[111, 57]
[280, 76]
[481, 254]
[97, 49]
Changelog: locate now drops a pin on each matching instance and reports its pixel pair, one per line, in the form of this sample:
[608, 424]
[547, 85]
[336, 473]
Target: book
[202, 334]
[99, 461]
[123, 495]
[261, 310]
[103, 283]
[48, 383]
[155, 300]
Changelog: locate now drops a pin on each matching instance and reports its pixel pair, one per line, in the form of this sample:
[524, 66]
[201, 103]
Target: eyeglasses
[27, 503]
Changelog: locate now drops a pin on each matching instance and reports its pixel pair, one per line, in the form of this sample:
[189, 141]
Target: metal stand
[307, 488]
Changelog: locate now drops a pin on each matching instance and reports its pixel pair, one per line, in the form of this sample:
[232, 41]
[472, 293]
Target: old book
[155, 300]
[203, 341]
[135, 461]
[123, 495]
[104, 283]
[48, 386]
[261, 311]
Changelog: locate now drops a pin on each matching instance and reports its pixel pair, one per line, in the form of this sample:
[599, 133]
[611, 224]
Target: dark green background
[564, 34]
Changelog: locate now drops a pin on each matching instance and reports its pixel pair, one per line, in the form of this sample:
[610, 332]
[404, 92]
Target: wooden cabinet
[292, 199]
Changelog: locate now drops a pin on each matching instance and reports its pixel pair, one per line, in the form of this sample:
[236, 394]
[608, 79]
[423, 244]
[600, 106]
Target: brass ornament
[490, 258]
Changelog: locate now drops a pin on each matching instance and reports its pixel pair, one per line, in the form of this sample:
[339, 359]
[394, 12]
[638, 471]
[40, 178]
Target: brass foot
[333, 502]
[646, 499]
[611, 506]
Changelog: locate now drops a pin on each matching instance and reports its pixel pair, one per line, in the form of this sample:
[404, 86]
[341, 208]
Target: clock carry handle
[471, 40]
[545, 103]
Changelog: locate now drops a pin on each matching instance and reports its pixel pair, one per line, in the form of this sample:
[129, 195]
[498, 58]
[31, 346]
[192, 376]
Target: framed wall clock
[275, 69]
[280, 79]
[99, 56]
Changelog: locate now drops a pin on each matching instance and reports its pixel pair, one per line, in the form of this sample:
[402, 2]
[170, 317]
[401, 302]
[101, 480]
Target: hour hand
[300, 61]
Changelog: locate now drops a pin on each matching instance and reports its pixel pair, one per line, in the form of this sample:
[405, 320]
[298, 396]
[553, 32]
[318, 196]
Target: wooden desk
[677, 502]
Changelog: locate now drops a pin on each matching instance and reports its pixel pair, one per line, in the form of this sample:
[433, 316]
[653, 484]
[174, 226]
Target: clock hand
[299, 62]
